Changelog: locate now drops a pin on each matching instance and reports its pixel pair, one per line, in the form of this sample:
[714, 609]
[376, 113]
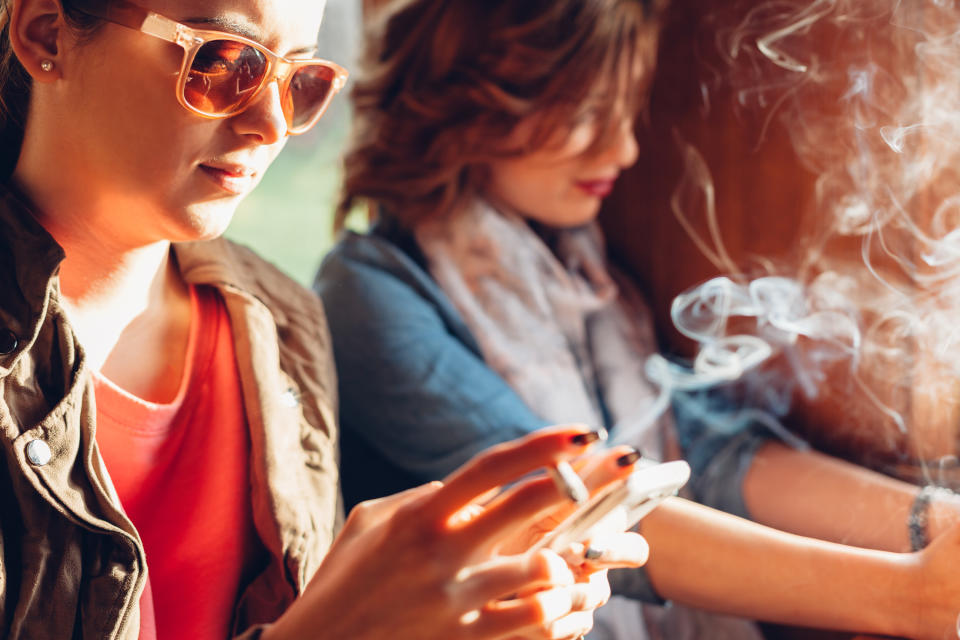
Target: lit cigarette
[569, 482]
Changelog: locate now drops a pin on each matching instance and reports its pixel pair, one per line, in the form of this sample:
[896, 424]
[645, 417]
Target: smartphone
[627, 500]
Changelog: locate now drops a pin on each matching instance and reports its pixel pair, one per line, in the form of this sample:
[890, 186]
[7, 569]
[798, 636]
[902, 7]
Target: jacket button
[8, 342]
[38, 452]
[290, 398]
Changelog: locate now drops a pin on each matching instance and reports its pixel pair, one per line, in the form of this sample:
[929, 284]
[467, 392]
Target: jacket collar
[224, 264]
[29, 260]
[25, 241]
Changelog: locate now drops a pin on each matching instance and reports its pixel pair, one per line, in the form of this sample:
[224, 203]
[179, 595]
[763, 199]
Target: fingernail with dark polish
[628, 459]
[593, 553]
[583, 439]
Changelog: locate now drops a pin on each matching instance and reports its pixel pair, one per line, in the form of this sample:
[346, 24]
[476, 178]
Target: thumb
[608, 551]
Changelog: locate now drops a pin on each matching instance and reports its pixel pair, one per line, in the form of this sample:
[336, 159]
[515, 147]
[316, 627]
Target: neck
[109, 294]
[126, 301]
[131, 311]
[95, 281]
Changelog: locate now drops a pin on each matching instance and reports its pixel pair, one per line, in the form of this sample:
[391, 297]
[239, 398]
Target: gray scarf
[573, 344]
[552, 323]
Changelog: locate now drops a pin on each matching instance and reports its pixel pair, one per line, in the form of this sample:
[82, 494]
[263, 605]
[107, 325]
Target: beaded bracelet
[918, 519]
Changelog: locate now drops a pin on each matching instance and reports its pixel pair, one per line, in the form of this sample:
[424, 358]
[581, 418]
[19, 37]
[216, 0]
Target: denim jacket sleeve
[412, 383]
[719, 440]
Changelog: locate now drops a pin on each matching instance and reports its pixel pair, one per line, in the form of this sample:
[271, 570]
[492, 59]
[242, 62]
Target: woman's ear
[36, 31]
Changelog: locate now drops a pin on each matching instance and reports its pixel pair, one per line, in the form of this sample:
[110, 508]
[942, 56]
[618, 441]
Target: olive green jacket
[71, 563]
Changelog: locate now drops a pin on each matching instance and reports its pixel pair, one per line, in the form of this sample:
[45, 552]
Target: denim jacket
[71, 563]
[417, 399]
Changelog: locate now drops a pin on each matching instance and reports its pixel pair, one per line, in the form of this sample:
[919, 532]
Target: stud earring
[47, 65]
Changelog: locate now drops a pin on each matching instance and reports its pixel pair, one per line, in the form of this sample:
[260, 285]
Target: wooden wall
[766, 211]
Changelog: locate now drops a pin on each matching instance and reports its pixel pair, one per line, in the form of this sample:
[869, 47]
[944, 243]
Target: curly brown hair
[444, 84]
[15, 82]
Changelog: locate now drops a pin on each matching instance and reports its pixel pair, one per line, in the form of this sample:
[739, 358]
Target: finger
[591, 594]
[609, 551]
[523, 616]
[571, 627]
[574, 625]
[474, 587]
[602, 469]
[601, 473]
[516, 508]
[506, 463]
[612, 464]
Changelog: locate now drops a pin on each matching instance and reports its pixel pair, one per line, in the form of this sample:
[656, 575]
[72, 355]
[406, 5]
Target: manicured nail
[628, 459]
[583, 439]
[593, 553]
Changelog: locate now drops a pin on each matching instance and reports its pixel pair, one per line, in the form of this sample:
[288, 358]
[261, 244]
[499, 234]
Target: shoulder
[266, 308]
[365, 272]
[369, 256]
[232, 266]
[380, 300]
[265, 300]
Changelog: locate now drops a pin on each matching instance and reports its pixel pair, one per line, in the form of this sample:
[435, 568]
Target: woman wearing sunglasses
[480, 306]
[168, 411]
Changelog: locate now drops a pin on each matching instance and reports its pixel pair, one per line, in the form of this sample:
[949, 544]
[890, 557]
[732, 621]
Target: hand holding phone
[621, 505]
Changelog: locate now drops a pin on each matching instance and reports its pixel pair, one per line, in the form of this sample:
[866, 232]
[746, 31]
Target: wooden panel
[765, 205]
[762, 191]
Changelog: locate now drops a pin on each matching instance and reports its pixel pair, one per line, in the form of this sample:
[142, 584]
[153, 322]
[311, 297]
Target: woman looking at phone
[480, 306]
[168, 399]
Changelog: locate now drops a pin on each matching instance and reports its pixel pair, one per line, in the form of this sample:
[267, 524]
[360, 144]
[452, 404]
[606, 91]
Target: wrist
[906, 599]
[944, 513]
[933, 510]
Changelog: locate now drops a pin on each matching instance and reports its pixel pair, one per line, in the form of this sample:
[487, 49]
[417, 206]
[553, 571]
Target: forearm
[715, 561]
[812, 494]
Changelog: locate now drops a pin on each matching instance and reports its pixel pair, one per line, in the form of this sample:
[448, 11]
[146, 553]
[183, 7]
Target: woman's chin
[206, 221]
[569, 217]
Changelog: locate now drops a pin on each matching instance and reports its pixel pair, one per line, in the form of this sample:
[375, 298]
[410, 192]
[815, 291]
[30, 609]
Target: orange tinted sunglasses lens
[223, 76]
[310, 89]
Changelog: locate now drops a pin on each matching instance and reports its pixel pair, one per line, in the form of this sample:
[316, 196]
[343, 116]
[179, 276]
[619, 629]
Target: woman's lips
[234, 180]
[597, 188]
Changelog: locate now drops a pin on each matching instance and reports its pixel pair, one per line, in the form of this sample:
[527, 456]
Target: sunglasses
[221, 73]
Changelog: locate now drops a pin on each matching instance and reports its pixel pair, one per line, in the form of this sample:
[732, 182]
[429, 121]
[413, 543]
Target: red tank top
[182, 473]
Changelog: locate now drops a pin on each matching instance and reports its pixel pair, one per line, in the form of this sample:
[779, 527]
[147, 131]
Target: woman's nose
[625, 145]
[264, 117]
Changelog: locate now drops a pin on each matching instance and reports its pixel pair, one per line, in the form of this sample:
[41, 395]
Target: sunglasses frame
[131, 16]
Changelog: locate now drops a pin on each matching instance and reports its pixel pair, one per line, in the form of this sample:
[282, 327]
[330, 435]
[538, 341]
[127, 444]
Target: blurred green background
[288, 217]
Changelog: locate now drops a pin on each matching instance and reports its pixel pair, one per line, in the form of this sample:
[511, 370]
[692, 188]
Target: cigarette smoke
[869, 91]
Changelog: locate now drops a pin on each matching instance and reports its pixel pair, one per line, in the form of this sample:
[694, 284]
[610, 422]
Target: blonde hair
[444, 83]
